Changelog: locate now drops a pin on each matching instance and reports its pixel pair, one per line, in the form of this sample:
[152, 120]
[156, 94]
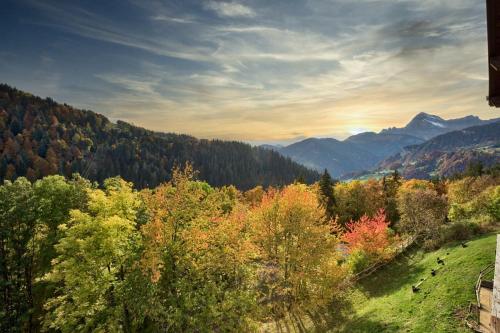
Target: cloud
[231, 9]
[172, 19]
[93, 26]
[319, 68]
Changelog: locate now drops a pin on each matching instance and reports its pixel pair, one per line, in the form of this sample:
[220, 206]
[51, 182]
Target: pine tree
[390, 187]
[327, 194]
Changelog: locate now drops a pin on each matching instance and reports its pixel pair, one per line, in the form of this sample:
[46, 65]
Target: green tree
[327, 195]
[17, 255]
[30, 215]
[96, 263]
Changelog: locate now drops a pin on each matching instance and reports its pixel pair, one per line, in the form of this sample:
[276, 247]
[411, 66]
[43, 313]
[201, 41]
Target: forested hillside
[41, 137]
[450, 153]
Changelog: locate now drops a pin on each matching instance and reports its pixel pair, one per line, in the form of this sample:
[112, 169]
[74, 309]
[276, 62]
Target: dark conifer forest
[41, 137]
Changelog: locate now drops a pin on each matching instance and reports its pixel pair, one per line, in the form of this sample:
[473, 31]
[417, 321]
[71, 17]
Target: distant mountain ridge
[39, 137]
[365, 151]
[449, 153]
[427, 126]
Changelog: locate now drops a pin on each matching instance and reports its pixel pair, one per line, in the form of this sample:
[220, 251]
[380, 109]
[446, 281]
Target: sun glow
[357, 130]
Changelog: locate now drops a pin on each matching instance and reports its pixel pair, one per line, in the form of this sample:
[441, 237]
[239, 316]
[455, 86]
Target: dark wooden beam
[493, 27]
[495, 63]
[494, 101]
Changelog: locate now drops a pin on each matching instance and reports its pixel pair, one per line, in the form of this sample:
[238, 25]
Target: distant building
[493, 18]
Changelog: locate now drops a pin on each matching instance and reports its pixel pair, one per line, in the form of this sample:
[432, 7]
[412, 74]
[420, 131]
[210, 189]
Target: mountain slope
[449, 153]
[359, 152]
[336, 156]
[364, 151]
[383, 144]
[41, 137]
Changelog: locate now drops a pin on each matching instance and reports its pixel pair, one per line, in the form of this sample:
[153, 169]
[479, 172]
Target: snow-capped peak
[435, 123]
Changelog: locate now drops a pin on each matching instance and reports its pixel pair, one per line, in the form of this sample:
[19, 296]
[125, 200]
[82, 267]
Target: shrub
[457, 231]
[358, 261]
[473, 197]
[422, 209]
[460, 231]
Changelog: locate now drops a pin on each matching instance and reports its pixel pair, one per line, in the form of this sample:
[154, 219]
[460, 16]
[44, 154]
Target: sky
[252, 70]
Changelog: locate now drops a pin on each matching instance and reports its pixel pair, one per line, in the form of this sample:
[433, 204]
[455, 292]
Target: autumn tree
[472, 198]
[298, 257]
[254, 196]
[390, 186]
[421, 208]
[358, 198]
[369, 240]
[196, 254]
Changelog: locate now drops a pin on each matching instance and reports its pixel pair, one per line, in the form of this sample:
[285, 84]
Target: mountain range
[365, 151]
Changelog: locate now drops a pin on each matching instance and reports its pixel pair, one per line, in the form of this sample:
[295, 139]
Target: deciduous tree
[95, 262]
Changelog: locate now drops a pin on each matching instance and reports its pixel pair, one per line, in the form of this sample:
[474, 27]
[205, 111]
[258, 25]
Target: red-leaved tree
[370, 235]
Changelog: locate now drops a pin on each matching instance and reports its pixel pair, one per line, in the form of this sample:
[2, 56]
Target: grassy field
[384, 302]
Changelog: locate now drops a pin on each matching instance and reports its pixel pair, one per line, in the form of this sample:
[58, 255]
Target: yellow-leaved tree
[298, 257]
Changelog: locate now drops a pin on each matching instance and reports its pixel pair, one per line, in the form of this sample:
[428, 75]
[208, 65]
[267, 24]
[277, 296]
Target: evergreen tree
[327, 195]
[390, 187]
[474, 169]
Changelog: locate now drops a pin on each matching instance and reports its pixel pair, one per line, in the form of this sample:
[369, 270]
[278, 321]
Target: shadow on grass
[404, 272]
[400, 273]
[327, 319]
[367, 324]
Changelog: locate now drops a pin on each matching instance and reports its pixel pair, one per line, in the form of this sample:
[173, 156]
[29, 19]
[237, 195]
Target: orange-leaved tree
[371, 235]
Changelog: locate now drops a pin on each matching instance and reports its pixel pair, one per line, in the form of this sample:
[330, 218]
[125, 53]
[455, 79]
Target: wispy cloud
[261, 70]
[172, 19]
[231, 9]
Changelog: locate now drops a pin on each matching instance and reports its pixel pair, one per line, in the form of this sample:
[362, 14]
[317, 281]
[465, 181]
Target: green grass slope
[384, 302]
